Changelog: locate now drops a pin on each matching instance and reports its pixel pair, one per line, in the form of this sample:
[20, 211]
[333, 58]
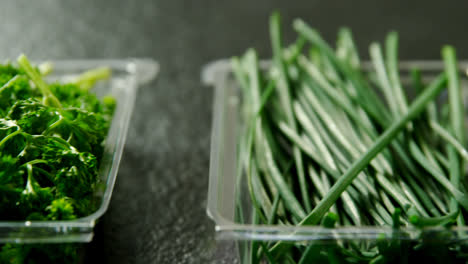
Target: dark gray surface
[157, 213]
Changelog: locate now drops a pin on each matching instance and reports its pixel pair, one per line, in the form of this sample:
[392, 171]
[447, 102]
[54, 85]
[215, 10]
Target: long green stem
[287, 195]
[285, 97]
[454, 93]
[391, 52]
[49, 97]
[379, 65]
[10, 136]
[345, 40]
[456, 120]
[444, 134]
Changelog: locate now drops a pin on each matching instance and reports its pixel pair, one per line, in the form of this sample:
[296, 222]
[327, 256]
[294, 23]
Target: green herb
[51, 145]
[331, 143]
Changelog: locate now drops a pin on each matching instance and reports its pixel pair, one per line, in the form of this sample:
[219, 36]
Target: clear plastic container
[226, 190]
[127, 75]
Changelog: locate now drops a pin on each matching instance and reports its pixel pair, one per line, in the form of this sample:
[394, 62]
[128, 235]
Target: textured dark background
[157, 213]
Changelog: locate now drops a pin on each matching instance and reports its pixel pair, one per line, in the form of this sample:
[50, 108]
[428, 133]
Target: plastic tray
[225, 189]
[127, 75]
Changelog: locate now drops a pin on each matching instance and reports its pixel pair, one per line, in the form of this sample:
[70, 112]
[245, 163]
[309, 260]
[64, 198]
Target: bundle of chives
[325, 142]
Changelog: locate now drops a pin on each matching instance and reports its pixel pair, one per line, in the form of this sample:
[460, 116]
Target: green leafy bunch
[51, 144]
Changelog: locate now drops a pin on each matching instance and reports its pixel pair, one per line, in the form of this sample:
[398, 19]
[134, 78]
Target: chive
[386, 201]
[239, 74]
[348, 48]
[455, 93]
[458, 195]
[394, 191]
[338, 99]
[361, 184]
[391, 48]
[254, 191]
[283, 90]
[433, 221]
[442, 159]
[416, 107]
[379, 65]
[378, 220]
[456, 120]
[349, 205]
[334, 149]
[288, 197]
[443, 133]
[274, 209]
[412, 198]
[336, 127]
[383, 213]
[316, 129]
[251, 170]
[423, 196]
[331, 125]
[308, 149]
[417, 83]
[317, 182]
